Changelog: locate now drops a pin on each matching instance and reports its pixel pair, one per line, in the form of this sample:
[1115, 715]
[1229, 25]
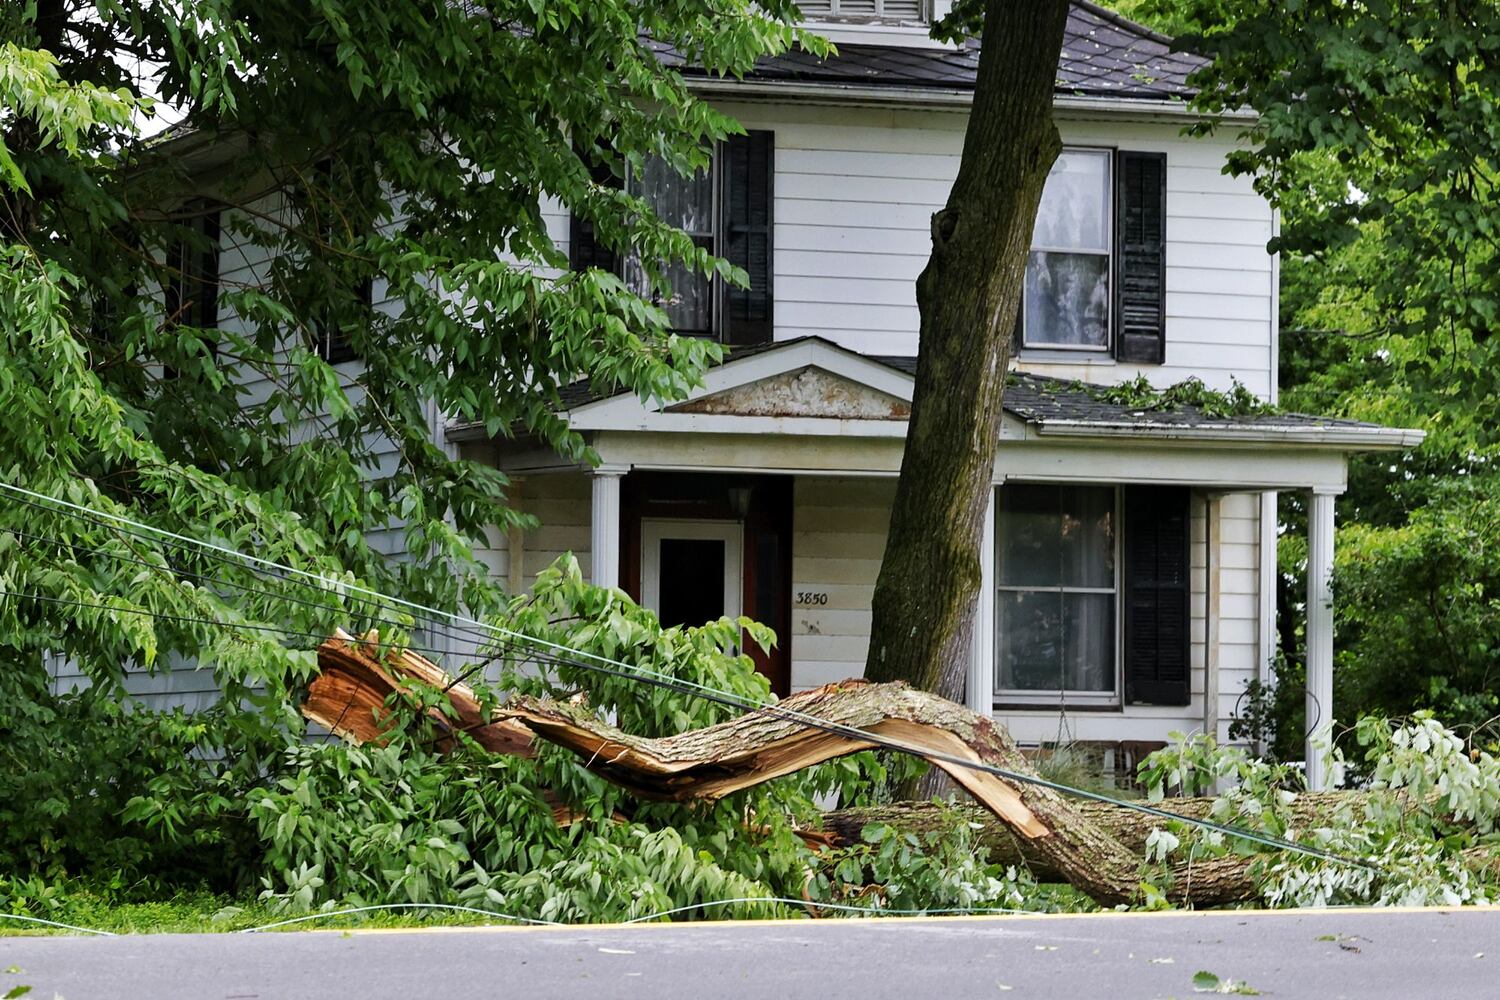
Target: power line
[618, 668]
[730, 700]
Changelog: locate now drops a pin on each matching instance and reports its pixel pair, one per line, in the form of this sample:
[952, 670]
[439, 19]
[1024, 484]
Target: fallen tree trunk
[713, 762]
[1128, 826]
[350, 697]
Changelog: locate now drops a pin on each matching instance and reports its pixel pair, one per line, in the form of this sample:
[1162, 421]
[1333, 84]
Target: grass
[199, 912]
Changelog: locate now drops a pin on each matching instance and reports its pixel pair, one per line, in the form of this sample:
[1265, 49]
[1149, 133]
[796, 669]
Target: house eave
[1352, 439]
[883, 95]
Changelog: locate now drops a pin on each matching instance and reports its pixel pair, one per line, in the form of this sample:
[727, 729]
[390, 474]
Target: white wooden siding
[856, 188]
[563, 503]
[838, 537]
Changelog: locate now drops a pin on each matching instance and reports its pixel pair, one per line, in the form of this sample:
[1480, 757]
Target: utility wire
[731, 700]
[618, 668]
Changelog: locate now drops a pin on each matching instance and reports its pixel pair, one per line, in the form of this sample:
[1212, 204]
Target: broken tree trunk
[350, 694]
[1128, 826]
[713, 762]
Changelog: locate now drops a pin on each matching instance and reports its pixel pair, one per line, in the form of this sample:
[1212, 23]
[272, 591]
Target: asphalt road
[1413, 955]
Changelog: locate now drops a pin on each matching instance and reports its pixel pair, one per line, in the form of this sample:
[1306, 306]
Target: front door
[690, 570]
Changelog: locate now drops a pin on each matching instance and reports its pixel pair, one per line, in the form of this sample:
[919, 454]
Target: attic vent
[867, 10]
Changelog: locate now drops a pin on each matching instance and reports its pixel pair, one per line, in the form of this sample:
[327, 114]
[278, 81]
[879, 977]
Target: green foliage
[1139, 393]
[89, 785]
[404, 147]
[1418, 608]
[902, 871]
[1428, 798]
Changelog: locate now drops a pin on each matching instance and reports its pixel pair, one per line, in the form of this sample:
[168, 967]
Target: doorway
[677, 526]
[690, 570]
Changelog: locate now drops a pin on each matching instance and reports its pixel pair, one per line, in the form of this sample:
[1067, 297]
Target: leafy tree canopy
[411, 149]
[1376, 142]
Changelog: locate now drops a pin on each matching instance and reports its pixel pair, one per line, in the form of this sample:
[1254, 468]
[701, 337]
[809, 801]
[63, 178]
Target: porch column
[979, 692]
[1319, 629]
[604, 526]
[1213, 519]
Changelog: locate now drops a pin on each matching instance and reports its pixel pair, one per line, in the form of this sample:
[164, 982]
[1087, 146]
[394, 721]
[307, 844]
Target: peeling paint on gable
[806, 392]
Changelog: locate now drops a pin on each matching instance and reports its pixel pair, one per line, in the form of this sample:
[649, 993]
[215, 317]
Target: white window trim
[834, 15]
[1108, 350]
[1013, 697]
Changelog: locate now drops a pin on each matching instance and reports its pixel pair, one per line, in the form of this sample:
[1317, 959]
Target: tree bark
[709, 763]
[968, 296]
[1130, 828]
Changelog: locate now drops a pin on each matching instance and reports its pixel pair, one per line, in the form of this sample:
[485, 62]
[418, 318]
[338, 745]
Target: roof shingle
[1103, 54]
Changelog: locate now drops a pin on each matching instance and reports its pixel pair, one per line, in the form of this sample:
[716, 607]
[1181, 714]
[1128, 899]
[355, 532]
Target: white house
[1129, 576]
[1129, 585]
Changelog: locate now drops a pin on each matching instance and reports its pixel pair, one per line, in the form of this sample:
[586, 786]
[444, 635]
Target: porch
[768, 493]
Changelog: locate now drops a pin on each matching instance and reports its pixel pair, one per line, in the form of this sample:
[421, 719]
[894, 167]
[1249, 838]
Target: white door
[690, 570]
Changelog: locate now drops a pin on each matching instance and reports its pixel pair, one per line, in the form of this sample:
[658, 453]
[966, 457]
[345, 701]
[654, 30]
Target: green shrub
[93, 785]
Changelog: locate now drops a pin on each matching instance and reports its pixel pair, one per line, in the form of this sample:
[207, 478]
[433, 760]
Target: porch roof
[1045, 406]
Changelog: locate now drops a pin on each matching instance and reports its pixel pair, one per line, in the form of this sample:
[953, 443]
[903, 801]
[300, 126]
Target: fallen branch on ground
[1056, 835]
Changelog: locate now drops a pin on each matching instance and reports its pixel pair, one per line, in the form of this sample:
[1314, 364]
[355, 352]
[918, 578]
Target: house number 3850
[809, 597]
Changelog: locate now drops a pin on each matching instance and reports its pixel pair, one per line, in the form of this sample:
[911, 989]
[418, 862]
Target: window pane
[1030, 532]
[690, 304]
[692, 580]
[1088, 642]
[687, 203]
[1030, 641]
[1067, 300]
[1088, 536]
[684, 202]
[1074, 213]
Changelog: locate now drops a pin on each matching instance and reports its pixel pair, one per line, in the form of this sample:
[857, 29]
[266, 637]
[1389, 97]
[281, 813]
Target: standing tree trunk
[969, 295]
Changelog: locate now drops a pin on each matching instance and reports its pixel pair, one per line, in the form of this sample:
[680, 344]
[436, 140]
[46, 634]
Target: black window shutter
[748, 169]
[1157, 529]
[584, 251]
[1141, 257]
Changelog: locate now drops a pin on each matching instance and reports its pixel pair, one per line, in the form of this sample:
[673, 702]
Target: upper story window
[344, 305]
[1068, 301]
[727, 210]
[1096, 278]
[192, 286]
[688, 204]
[868, 10]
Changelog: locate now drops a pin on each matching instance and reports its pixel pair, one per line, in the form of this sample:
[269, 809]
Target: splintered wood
[706, 764]
[349, 695]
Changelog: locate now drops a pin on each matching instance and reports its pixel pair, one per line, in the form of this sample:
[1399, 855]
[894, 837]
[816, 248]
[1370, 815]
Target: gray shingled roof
[1103, 54]
[1041, 400]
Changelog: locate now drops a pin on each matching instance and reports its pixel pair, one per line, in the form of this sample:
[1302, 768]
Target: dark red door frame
[767, 557]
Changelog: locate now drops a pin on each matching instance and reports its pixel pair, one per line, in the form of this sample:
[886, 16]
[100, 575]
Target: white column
[980, 689]
[1213, 506]
[604, 526]
[1319, 629]
[1266, 588]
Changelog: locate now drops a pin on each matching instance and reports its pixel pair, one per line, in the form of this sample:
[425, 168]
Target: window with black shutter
[727, 211]
[1157, 579]
[349, 300]
[1096, 273]
[192, 286]
[1141, 257]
